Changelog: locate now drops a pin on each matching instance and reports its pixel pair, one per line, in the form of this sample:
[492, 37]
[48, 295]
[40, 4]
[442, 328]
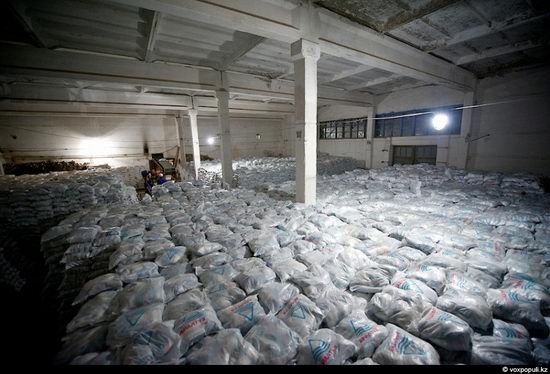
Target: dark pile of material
[42, 167]
[189, 157]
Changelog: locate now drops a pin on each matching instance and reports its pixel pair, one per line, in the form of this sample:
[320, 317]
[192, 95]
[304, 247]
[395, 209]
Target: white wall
[519, 131]
[121, 140]
[243, 136]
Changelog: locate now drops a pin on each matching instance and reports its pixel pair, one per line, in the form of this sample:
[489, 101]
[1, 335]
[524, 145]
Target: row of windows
[414, 125]
[344, 129]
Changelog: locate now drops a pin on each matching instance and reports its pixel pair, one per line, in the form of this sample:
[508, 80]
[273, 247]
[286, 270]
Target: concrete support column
[371, 113]
[305, 55]
[182, 164]
[1, 165]
[195, 141]
[465, 129]
[225, 132]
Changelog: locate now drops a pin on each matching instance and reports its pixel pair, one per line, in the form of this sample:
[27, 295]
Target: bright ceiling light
[210, 140]
[440, 121]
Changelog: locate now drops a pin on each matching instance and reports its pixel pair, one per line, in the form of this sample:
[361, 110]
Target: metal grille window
[407, 124]
[354, 128]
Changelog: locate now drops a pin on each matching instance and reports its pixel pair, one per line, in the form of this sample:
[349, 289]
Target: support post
[182, 164]
[305, 55]
[195, 141]
[371, 113]
[1, 165]
[465, 129]
[225, 132]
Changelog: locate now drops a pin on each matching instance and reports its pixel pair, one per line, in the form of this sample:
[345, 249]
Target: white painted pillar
[225, 132]
[371, 113]
[305, 55]
[195, 141]
[465, 130]
[182, 164]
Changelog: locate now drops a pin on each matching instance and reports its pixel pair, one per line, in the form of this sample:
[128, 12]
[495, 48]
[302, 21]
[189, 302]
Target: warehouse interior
[338, 182]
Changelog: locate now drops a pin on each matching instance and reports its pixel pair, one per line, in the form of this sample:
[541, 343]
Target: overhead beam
[410, 16]
[32, 62]
[373, 82]
[346, 73]
[337, 35]
[499, 51]
[244, 44]
[482, 31]
[96, 98]
[30, 93]
[20, 11]
[152, 33]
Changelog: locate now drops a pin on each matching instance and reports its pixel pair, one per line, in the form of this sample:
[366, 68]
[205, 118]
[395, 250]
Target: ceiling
[482, 36]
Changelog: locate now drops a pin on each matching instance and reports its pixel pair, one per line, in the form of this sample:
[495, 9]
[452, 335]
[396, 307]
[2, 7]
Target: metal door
[410, 154]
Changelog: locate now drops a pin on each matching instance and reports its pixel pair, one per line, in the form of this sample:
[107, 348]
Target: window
[416, 125]
[354, 128]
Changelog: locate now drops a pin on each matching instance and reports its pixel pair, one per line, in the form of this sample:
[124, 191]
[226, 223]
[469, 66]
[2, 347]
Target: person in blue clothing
[161, 179]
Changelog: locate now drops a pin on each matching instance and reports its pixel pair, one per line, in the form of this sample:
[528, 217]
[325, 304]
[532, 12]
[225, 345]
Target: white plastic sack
[171, 256]
[337, 304]
[194, 326]
[511, 306]
[179, 284]
[492, 350]
[132, 322]
[224, 295]
[184, 303]
[106, 282]
[301, 315]
[366, 334]
[276, 343]
[140, 293]
[445, 330]
[402, 348]
[312, 281]
[227, 347]
[92, 312]
[398, 306]
[273, 296]
[325, 347]
[242, 315]
[139, 270]
[433, 276]
[469, 307]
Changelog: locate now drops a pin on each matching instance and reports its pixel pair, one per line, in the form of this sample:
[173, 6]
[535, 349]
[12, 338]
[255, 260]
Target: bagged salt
[276, 343]
[366, 334]
[301, 315]
[445, 330]
[402, 348]
[325, 347]
[273, 296]
[242, 315]
[469, 307]
[106, 282]
[227, 347]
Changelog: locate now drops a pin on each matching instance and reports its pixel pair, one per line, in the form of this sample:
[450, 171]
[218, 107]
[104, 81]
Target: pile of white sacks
[131, 175]
[33, 202]
[258, 173]
[387, 268]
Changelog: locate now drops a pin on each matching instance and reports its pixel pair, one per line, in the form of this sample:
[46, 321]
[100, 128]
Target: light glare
[440, 121]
